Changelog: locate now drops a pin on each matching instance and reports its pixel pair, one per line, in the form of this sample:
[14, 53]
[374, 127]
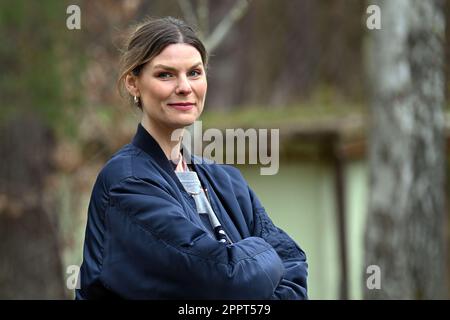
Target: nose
[183, 86]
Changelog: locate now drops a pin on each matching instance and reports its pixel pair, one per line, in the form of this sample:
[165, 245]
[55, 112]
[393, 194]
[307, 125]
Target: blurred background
[363, 116]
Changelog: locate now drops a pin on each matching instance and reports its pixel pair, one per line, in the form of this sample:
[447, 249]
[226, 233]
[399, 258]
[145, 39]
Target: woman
[159, 228]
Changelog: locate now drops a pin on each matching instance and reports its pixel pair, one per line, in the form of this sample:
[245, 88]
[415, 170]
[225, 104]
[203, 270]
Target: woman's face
[172, 87]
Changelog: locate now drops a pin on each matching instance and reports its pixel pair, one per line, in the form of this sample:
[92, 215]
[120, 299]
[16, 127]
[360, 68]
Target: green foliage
[39, 60]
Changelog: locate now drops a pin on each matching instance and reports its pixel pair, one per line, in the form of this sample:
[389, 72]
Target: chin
[182, 123]
[186, 121]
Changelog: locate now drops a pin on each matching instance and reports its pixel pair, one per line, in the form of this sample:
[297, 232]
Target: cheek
[201, 88]
[157, 90]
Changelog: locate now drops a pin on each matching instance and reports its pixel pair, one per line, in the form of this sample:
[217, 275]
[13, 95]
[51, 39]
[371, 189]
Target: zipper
[215, 210]
[207, 195]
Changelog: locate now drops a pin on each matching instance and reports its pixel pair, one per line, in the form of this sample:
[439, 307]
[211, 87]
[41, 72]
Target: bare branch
[203, 16]
[225, 25]
[188, 12]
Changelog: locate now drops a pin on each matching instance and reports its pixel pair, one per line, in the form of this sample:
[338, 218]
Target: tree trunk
[30, 264]
[405, 227]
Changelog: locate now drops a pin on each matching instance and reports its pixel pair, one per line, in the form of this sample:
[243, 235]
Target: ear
[131, 83]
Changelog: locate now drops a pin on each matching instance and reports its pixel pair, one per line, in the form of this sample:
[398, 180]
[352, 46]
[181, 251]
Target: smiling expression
[172, 87]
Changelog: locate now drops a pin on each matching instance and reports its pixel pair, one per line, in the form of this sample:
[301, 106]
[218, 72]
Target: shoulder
[128, 162]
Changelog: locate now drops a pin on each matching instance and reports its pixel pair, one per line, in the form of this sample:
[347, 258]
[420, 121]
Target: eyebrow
[174, 69]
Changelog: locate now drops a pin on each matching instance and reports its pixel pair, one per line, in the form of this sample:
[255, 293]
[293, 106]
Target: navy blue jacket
[145, 240]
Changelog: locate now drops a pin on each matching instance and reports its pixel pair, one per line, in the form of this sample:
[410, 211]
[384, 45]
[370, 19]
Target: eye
[195, 73]
[163, 75]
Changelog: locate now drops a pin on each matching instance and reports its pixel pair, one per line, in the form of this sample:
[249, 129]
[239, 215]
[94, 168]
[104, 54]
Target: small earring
[136, 100]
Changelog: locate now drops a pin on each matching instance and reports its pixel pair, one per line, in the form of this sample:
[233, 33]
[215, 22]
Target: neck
[168, 139]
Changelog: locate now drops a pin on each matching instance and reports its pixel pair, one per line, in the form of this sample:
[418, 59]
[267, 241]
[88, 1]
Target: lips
[183, 106]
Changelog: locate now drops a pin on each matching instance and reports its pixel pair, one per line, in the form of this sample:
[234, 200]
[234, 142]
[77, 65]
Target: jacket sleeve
[293, 284]
[153, 251]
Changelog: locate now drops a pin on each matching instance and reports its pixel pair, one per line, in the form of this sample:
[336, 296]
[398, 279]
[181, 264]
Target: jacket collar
[144, 141]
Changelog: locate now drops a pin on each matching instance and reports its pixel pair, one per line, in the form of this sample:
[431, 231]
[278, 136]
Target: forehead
[177, 55]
